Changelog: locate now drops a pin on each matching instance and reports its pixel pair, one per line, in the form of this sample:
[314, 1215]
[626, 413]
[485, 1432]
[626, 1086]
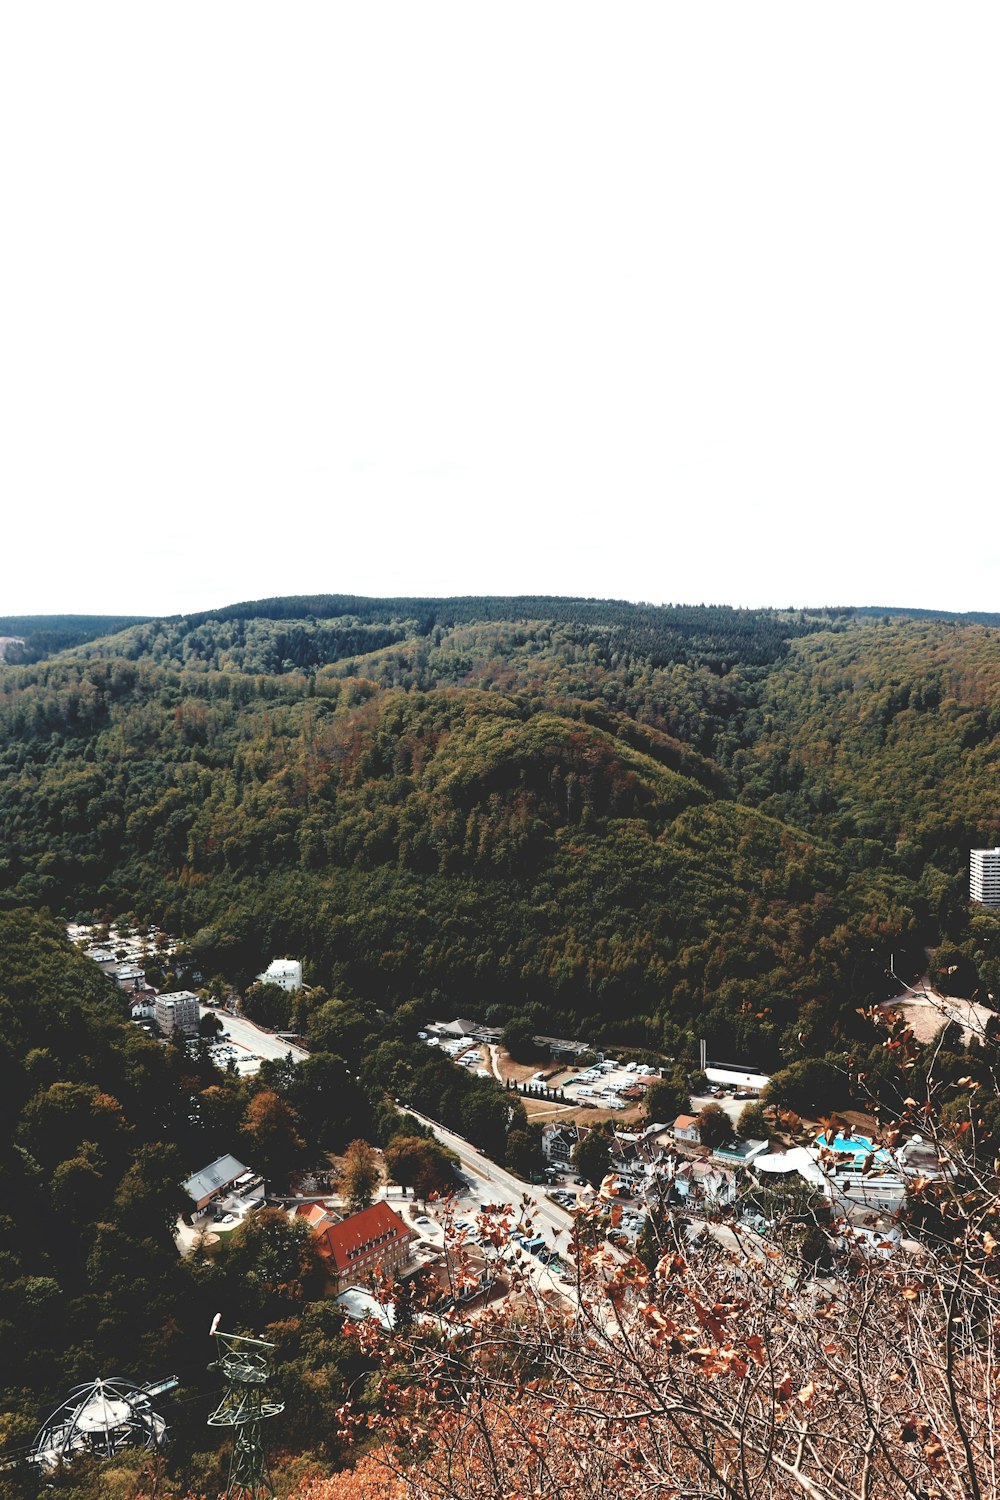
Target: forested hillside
[644, 822]
[93, 1148]
[32, 637]
[626, 824]
[889, 732]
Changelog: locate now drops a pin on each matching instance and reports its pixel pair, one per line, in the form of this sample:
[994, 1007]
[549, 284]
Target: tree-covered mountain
[32, 637]
[888, 732]
[629, 824]
[579, 806]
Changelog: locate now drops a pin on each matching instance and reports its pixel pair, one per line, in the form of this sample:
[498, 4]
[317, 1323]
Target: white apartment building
[984, 876]
[286, 972]
[177, 1012]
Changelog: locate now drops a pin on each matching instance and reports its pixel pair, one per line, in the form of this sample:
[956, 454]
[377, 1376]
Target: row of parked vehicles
[533, 1244]
[564, 1197]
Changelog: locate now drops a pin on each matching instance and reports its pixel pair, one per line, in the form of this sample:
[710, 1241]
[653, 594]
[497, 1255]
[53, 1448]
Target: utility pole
[246, 1364]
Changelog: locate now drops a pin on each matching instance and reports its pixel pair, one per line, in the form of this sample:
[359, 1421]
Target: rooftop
[359, 1232]
[741, 1150]
[736, 1077]
[316, 1215]
[458, 1027]
[359, 1304]
[219, 1174]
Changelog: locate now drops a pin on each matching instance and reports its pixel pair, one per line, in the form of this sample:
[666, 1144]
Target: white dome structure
[100, 1419]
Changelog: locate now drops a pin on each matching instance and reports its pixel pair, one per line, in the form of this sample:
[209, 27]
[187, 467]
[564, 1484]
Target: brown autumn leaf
[671, 1265]
[708, 1320]
[934, 1451]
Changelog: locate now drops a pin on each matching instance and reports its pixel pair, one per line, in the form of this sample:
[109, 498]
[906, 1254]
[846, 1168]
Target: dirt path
[548, 1111]
[926, 1011]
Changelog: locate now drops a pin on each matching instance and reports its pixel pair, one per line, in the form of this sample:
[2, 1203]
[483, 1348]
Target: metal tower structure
[246, 1364]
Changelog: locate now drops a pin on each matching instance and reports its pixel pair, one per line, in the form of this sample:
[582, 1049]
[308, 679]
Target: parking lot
[223, 1052]
[733, 1102]
[245, 1044]
[460, 1051]
[606, 1085]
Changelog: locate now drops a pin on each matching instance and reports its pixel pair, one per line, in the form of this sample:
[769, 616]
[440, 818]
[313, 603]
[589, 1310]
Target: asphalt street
[244, 1034]
[500, 1186]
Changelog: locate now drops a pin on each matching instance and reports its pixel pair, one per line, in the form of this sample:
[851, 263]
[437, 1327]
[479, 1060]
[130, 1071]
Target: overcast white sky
[654, 301]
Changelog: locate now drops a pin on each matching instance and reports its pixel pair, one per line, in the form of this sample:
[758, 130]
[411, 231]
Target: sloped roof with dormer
[353, 1236]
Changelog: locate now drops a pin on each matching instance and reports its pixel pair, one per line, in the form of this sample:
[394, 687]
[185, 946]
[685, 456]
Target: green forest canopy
[630, 824]
[645, 819]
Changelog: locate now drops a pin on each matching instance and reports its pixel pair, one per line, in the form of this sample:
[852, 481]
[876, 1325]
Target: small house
[706, 1183]
[559, 1141]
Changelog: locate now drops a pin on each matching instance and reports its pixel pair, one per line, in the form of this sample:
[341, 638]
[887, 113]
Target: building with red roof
[363, 1245]
[317, 1215]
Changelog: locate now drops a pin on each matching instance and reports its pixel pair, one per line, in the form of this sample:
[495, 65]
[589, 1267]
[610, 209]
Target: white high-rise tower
[984, 876]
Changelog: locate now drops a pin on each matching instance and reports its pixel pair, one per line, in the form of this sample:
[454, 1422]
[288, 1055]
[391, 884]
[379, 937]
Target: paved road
[499, 1186]
[244, 1034]
[733, 1107]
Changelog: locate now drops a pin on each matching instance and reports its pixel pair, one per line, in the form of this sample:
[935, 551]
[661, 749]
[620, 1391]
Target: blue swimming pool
[858, 1146]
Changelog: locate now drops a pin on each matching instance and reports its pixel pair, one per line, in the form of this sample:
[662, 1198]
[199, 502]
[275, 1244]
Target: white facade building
[284, 972]
[737, 1078]
[984, 876]
[177, 1012]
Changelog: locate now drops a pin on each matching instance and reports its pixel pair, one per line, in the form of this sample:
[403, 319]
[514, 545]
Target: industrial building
[223, 1176]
